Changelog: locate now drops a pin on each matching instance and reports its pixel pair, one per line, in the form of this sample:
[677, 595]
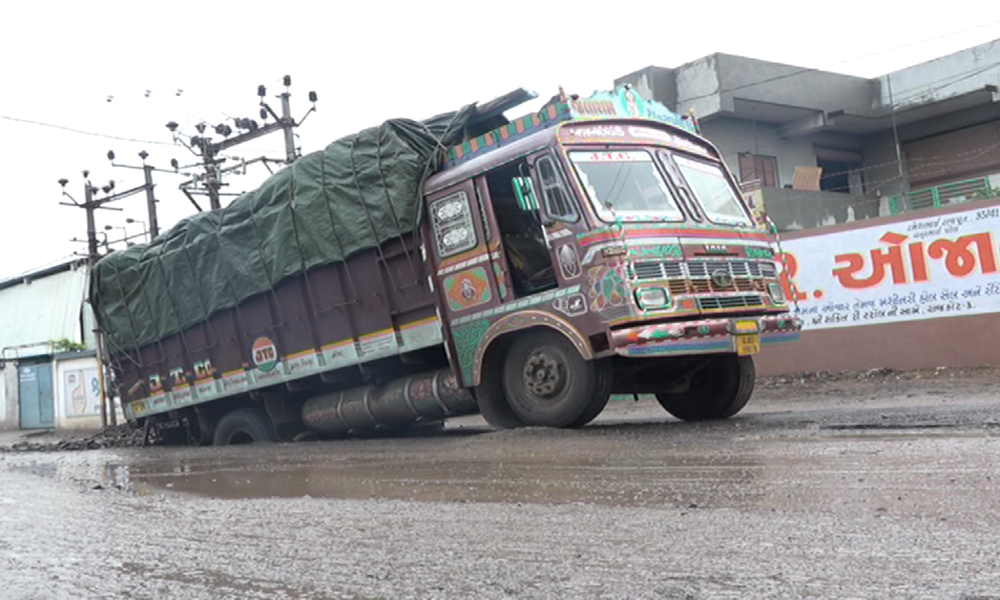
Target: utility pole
[210, 152]
[895, 136]
[148, 186]
[288, 122]
[91, 205]
[154, 226]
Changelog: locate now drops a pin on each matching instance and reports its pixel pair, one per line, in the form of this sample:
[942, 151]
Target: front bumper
[711, 336]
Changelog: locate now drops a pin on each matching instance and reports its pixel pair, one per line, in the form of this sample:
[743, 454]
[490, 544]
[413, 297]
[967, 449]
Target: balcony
[794, 210]
[946, 194]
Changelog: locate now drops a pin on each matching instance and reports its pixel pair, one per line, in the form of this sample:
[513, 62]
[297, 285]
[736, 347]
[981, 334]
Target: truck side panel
[374, 305]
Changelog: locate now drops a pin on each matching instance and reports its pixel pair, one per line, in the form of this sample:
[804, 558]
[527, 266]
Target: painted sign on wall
[940, 266]
[81, 389]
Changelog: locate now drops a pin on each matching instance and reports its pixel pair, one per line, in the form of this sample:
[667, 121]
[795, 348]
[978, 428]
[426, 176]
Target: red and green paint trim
[624, 102]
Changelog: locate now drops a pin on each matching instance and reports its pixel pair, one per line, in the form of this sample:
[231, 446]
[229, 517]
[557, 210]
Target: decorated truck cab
[598, 246]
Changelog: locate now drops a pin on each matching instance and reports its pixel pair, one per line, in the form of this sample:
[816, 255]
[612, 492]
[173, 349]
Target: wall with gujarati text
[919, 290]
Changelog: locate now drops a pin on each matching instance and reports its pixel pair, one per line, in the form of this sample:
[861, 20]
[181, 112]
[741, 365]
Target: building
[829, 148]
[48, 366]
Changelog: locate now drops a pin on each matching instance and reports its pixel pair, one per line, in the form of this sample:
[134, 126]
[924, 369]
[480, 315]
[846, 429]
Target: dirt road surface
[876, 485]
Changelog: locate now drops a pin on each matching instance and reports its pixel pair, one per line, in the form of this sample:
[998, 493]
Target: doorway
[843, 171]
[528, 255]
[35, 396]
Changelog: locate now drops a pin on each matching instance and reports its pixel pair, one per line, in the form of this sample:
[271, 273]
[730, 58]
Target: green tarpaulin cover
[358, 192]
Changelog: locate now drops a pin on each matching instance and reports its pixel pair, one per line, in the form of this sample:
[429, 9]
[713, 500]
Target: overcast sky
[125, 69]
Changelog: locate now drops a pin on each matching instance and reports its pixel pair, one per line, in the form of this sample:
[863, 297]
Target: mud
[120, 436]
[838, 486]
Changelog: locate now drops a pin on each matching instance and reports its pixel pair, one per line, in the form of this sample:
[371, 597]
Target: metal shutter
[954, 156]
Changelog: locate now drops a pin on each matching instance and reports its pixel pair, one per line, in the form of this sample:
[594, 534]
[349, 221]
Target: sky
[122, 70]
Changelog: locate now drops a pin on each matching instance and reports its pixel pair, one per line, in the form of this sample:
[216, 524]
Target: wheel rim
[543, 375]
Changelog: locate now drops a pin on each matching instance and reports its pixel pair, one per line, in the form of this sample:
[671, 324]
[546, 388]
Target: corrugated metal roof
[43, 307]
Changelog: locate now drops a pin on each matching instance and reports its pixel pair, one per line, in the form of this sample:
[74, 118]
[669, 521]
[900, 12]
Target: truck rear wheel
[718, 390]
[548, 384]
[243, 426]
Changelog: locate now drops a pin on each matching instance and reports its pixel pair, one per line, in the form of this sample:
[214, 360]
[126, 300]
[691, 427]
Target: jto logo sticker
[265, 354]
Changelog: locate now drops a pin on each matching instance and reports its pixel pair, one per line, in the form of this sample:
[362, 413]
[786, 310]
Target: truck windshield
[625, 184]
[713, 191]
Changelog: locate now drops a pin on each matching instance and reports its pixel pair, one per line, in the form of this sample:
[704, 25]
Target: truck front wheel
[718, 390]
[548, 384]
[243, 426]
[493, 405]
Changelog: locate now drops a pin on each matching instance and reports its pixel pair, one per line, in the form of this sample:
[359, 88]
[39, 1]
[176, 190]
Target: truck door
[536, 219]
[560, 217]
[463, 273]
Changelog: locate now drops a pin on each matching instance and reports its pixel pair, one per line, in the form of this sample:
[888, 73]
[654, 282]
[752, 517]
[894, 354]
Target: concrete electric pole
[91, 205]
[209, 151]
[148, 186]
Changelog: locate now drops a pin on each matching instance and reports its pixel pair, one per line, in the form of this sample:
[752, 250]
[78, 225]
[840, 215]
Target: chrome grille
[695, 277]
[723, 302]
[736, 268]
[659, 269]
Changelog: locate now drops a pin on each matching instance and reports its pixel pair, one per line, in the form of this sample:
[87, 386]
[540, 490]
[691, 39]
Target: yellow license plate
[748, 344]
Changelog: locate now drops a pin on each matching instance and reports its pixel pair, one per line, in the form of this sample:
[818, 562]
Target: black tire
[718, 391]
[548, 384]
[598, 400]
[493, 405]
[243, 426]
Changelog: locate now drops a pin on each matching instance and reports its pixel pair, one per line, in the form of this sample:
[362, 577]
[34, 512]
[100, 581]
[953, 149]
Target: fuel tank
[430, 396]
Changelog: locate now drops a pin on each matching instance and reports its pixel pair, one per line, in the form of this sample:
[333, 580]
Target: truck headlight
[652, 298]
[777, 293]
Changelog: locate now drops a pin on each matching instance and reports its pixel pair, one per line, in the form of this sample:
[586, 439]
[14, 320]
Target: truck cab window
[557, 201]
[521, 232]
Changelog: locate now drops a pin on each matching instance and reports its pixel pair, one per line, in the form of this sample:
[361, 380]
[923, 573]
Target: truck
[524, 269]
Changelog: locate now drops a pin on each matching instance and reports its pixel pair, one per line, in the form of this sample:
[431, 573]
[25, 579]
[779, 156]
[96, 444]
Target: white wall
[42, 310]
[3, 397]
[77, 396]
[9, 409]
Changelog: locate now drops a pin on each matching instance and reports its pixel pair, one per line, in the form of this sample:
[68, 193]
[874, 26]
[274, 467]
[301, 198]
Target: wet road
[826, 492]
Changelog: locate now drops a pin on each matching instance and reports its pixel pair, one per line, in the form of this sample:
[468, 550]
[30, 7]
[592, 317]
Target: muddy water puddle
[740, 466]
[613, 482]
[501, 467]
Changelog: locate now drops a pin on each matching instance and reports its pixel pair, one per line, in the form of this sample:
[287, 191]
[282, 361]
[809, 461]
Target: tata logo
[722, 278]
[716, 249]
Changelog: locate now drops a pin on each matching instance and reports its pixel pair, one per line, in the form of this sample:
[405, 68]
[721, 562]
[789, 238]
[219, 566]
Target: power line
[81, 131]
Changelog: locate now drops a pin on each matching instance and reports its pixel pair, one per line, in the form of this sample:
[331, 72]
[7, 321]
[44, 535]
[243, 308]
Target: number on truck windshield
[713, 190]
[625, 184]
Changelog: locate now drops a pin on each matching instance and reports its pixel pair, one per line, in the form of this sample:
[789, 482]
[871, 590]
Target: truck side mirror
[525, 194]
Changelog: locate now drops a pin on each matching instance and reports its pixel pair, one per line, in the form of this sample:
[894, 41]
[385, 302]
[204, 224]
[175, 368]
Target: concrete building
[927, 135]
[48, 368]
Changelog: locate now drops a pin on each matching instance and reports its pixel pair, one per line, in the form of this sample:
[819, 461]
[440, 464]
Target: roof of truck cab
[493, 158]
